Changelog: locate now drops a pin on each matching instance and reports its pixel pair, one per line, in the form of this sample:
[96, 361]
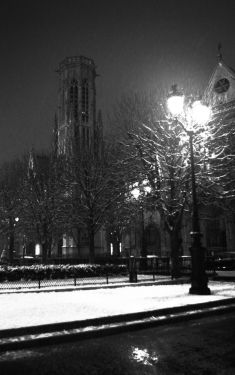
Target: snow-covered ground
[27, 309]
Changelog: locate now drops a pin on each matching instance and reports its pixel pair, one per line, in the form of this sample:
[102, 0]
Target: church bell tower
[76, 126]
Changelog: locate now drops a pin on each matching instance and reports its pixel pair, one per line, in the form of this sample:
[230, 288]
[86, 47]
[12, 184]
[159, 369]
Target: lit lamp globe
[175, 102]
[200, 113]
[135, 193]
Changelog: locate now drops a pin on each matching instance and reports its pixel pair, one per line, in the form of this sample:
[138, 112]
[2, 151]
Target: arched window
[85, 101]
[73, 98]
[86, 137]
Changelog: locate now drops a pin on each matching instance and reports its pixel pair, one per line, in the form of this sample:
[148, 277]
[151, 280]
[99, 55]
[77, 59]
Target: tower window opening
[83, 136]
[73, 98]
[85, 101]
[86, 137]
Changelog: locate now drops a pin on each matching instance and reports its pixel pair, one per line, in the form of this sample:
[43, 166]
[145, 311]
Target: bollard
[132, 270]
[153, 269]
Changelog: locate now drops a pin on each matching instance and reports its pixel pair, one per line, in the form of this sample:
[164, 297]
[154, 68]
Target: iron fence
[136, 269]
[72, 282]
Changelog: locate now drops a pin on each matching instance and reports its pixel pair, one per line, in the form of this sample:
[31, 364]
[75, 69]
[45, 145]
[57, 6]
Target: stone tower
[76, 119]
[78, 128]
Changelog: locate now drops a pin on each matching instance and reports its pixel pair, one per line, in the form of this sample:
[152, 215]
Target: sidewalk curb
[19, 338]
[224, 278]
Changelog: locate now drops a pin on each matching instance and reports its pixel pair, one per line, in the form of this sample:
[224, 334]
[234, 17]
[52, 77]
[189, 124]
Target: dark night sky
[136, 45]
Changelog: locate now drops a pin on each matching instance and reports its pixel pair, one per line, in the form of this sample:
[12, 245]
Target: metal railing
[136, 269]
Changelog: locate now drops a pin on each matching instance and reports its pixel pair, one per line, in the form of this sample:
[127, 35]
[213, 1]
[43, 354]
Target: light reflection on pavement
[143, 356]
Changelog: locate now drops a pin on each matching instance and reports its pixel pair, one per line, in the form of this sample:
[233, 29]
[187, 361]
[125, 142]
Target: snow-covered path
[28, 309]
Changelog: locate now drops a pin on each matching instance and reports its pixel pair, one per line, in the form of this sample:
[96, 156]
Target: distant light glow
[175, 104]
[148, 189]
[37, 249]
[142, 188]
[111, 249]
[135, 192]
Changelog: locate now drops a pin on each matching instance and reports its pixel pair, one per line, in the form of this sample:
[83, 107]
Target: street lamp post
[137, 191]
[200, 114]
[141, 190]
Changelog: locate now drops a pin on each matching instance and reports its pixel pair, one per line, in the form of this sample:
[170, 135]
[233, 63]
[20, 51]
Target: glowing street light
[175, 101]
[188, 116]
[138, 190]
[201, 113]
[190, 113]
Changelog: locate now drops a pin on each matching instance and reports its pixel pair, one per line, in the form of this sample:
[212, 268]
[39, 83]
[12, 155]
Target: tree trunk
[46, 242]
[78, 241]
[143, 253]
[11, 241]
[11, 246]
[175, 250]
[44, 251]
[116, 244]
[143, 239]
[91, 245]
[49, 244]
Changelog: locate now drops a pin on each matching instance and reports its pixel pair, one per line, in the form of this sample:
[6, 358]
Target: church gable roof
[221, 87]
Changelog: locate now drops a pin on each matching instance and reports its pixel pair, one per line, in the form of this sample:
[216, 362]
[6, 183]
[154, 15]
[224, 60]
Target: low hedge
[47, 272]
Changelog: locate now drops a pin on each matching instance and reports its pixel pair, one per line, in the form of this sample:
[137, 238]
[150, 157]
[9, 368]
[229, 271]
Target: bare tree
[155, 147]
[39, 200]
[93, 185]
[217, 173]
[11, 180]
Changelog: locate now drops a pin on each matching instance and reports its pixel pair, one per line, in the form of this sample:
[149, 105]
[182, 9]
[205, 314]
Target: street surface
[198, 347]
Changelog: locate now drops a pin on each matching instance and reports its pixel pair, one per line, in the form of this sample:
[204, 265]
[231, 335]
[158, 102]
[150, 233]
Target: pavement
[32, 318]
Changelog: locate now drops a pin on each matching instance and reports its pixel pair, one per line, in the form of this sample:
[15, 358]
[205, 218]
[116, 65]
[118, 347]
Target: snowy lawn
[21, 310]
